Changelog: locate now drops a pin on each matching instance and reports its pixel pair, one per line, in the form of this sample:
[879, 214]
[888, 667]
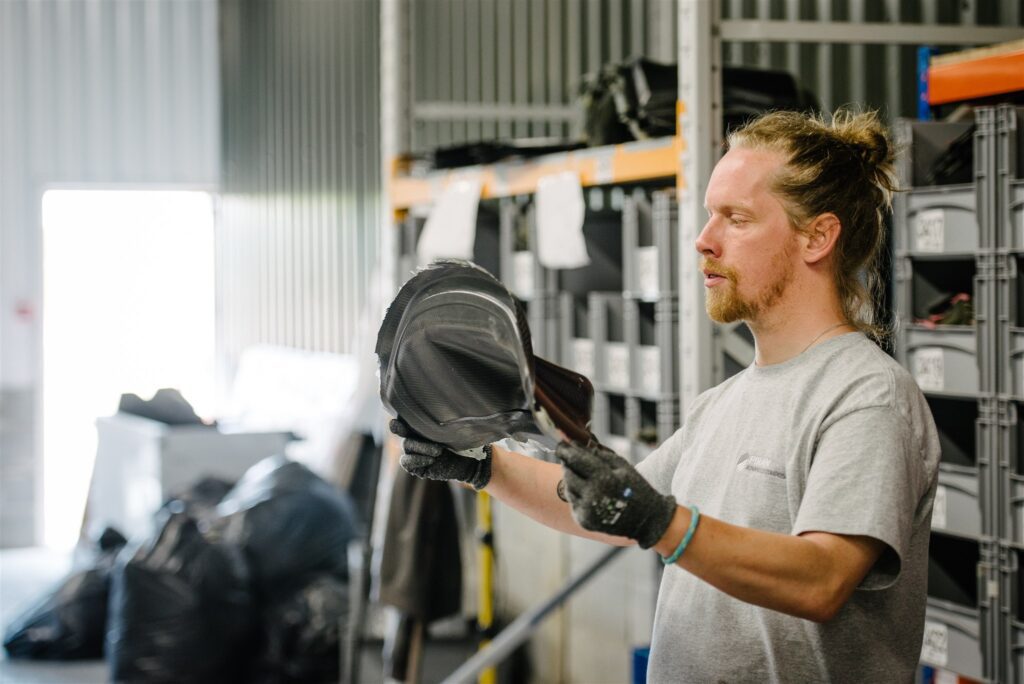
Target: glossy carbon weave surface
[457, 364]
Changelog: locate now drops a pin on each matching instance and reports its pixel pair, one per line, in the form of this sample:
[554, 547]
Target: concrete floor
[26, 573]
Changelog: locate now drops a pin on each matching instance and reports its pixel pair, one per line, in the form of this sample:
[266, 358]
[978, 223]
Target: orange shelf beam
[629, 162]
[993, 71]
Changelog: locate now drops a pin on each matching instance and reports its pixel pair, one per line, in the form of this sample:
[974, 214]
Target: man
[793, 507]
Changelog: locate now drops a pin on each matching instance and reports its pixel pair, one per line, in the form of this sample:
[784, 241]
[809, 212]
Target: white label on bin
[583, 356]
[620, 445]
[946, 677]
[650, 368]
[522, 274]
[935, 649]
[647, 270]
[930, 369]
[939, 508]
[616, 358]
[930, 231]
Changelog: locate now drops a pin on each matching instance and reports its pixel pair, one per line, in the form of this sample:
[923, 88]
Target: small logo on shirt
[762, 465]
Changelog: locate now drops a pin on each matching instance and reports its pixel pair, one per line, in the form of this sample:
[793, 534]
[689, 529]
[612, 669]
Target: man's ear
[820, 237]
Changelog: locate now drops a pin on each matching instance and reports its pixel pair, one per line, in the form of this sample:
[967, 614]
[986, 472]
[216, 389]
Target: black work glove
[609, 495]
[433, 461]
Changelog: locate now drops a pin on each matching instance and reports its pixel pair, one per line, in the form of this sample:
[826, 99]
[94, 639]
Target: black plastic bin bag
[291, 524]
[181, 609]
[68, 622]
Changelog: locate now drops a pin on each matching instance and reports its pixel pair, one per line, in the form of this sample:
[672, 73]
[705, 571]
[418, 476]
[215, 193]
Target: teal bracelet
[694, 519]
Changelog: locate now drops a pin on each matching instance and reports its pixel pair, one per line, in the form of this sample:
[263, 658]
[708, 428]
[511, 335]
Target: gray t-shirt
[838, 439]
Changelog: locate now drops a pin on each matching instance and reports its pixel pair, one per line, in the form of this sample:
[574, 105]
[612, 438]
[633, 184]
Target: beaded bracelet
[694, 519]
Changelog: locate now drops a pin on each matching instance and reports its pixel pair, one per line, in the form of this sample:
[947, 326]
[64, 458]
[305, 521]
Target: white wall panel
[103, 92]
[298, 238]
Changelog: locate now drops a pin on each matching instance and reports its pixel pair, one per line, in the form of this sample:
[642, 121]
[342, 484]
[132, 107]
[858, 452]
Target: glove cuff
[482, 475]
[654, 527]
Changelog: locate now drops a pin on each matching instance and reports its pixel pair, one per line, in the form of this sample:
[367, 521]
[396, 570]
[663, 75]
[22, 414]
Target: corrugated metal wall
[105, 92]
[512, 68]
[880, 77]
[518, 63]
[299, 227]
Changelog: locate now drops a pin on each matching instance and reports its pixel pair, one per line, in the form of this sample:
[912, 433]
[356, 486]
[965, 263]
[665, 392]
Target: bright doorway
[128, 306]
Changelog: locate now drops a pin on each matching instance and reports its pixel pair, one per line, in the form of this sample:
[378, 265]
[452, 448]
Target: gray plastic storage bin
[520, 270]
[1014, 650]
[958, 507]
[939, 220]
[945, 218]
[405, 248]
[1010, 177]
[668, 418]
[651, 422]
[576, 347]
[1011, 471]
[1009, 321]
[648, 244]
[610, 423]
[923, 142]
[652, 333]
[611, 351]
[542, 315]
[943, 359]
[953, 638]
[1012, 613]
[1013, 524]
[1013, 368]
[1012, 211]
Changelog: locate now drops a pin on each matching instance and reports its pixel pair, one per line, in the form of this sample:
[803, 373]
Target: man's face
[748, 246]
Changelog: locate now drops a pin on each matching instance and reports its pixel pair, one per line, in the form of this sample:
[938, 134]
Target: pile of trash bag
[69, 621]
[239, 583]
[181, 608]
[291, 524]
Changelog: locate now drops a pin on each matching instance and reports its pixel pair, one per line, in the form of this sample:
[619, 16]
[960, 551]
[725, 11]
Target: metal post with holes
[699, 124]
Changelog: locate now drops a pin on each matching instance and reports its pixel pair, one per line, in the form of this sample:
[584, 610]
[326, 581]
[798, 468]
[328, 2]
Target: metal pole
[525, 625]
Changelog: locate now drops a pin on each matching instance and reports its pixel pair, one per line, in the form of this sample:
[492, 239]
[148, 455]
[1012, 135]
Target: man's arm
[810, 576]
[526, 484]
[530, 486]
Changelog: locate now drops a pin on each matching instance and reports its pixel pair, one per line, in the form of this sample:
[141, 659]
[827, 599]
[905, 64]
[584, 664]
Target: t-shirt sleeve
[866, 479]
[660, 465]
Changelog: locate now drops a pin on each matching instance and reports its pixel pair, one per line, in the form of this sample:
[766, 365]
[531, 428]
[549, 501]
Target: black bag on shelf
[636, 100]
[290, 523]
[600, 95]
[304, 633]
[68, 623]
[181, 609]
[490, 151]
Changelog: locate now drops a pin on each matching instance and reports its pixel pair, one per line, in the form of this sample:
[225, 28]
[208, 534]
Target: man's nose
[706, 242]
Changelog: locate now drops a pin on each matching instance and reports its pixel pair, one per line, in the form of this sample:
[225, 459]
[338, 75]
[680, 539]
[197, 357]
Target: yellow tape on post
[485, 610]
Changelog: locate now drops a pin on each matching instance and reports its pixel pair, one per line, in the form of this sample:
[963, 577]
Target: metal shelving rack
[706, 353]
[944, 244]
[1008, 381]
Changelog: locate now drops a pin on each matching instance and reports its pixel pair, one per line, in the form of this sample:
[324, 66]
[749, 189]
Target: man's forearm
[529, 486]
[809, 576]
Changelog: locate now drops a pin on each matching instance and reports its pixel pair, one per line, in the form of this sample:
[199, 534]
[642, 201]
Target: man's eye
[737, 219]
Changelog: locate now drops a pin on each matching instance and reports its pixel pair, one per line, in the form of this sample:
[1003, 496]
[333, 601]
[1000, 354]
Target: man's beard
[724, 303]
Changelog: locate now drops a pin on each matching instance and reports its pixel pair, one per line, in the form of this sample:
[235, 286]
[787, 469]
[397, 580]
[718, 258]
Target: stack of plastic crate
[944, 295]
[1009, 380]
[626, 340]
